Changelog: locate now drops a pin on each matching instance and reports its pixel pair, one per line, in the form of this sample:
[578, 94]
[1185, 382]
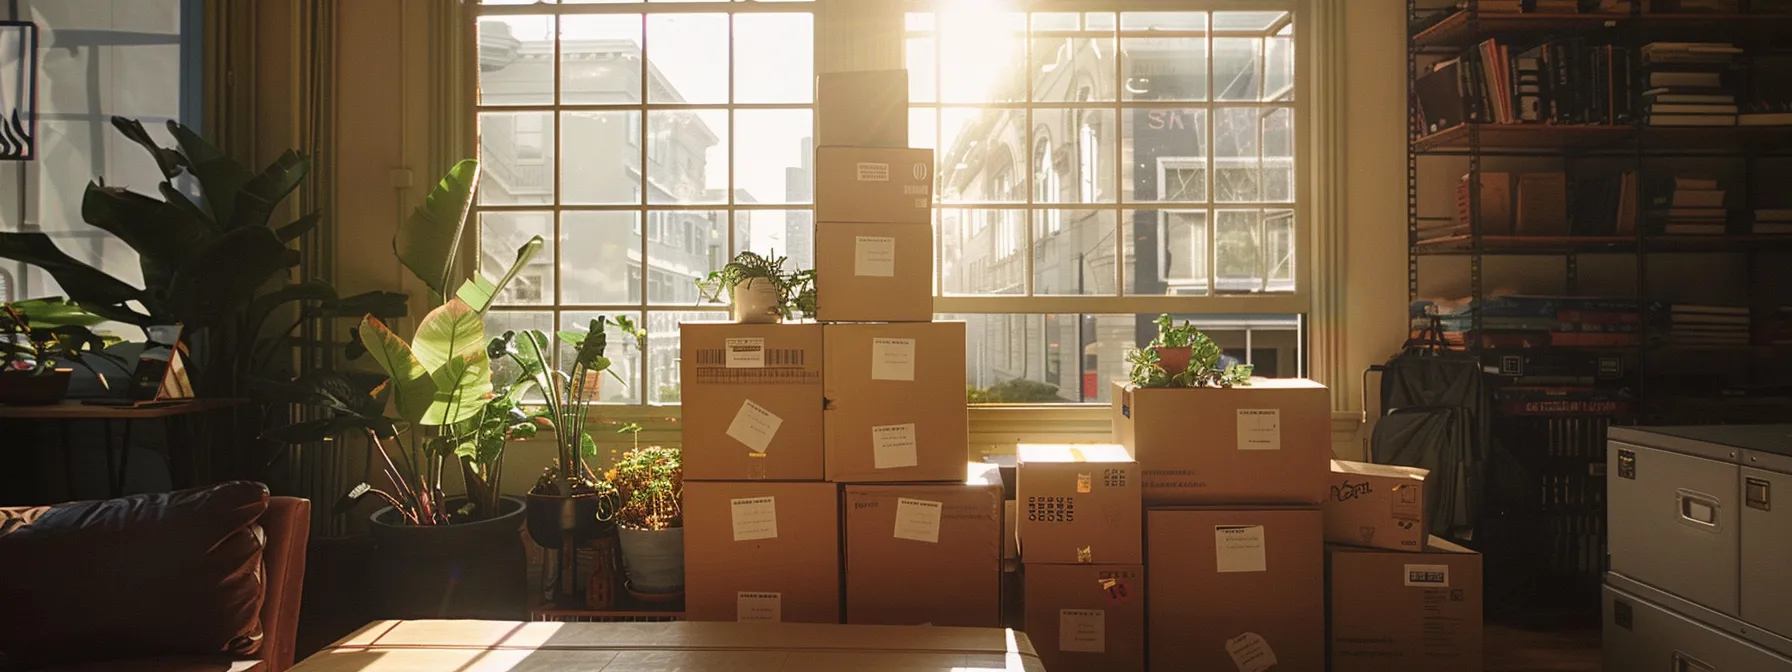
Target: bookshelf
[1558, 430]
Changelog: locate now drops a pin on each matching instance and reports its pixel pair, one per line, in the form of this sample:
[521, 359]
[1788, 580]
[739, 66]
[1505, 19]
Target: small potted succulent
[650, 520]
[1182, 356]
[759, 290]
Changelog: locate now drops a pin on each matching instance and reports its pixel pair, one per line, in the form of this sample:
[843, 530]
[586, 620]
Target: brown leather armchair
[203, 580]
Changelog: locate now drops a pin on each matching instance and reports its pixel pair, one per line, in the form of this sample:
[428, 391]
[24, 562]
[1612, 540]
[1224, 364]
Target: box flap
[1382, 470]
[1072, 452]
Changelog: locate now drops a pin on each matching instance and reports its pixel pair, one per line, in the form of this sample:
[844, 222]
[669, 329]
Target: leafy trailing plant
[795, 288]
[36, 335]
[1013, 391]
[1205, 368]
[650, 482]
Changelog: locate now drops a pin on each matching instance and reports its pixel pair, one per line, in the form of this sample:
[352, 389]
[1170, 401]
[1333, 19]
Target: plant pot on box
[463, 570]
[1174, 360]
[27, 388]
[755, 301]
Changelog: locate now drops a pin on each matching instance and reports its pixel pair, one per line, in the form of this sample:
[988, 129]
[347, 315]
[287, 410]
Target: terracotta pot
[19, 388]
[755, 301]
[1174, 360]
[465, 570]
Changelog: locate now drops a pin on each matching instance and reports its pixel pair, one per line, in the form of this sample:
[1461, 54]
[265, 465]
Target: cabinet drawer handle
[1696, 507]
[1686, 663]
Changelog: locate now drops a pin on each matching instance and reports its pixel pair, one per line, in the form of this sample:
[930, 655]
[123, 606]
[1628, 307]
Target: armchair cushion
[176, 573]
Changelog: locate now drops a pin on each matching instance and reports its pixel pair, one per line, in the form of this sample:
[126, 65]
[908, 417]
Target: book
[1693, 229]
[1765, 119]
[1677, 108]
[1772, 228]
[1705, 183]
[1773, 214]
[1691, 119]
[1718, 214]
[1495, 201]
[1542, 208]
[1677, 79]
[1698, 198]
[1442, 97]
[1707, 309]
[1665, 96]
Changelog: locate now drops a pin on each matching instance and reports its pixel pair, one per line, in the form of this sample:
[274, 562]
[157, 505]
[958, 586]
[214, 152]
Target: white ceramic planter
[655, 559]
[755, 301]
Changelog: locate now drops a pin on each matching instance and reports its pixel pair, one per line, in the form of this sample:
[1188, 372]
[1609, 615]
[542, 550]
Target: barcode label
[758, 377]
[773, 357]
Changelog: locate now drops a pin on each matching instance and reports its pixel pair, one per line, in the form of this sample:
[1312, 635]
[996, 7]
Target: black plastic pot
[549, 515]
[467, 570]
[19, 388]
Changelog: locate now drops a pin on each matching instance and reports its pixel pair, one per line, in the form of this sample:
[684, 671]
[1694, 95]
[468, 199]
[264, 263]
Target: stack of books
[1516, 6]
[1520, 321]
[1769, 91]
[1773, 220]
[1692, 324]
[1564, 81]
[1686, 84]
[1695, 6]
[1687, 206]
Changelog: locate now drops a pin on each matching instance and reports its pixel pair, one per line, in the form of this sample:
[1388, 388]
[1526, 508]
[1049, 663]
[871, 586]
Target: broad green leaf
[451, 331]
[587, 445]
[49, 313]
[224, 275]
[463, 386]
[299, 227]
[412, 389]
[168, 160]
[261, 195]
[427, 242]
[163, 235]
[220, 177]
[175, 198]
[573, 339]
[479, 292]
[310, 290]
[84, 284]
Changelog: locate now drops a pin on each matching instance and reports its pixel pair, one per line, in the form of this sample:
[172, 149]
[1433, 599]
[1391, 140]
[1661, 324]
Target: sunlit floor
[1573, 649]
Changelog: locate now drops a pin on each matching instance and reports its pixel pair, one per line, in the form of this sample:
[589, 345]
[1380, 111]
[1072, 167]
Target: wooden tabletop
[72, 409]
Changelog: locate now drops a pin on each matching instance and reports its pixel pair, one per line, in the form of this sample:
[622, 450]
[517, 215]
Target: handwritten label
[754, 426]
[893, 359]
[1083, 630]
[918, 519]
[874, 256]
[759, 607]
[1346, 491]
[754, 518]
[893, 446]
[1239, 548]
[1116, 590]
[1259, 429]
[873, 172]
[744, 353]
[1250, 653]
[1428, 576]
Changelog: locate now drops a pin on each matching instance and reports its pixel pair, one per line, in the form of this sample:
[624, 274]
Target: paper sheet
[874, 256]
[873, 172]
[1259, 429]
[754, 426]
[1239, 548]
[918, 519]
[1250, 653]
[1082, 630]
[893, 359]
[893, 446]
[754, 518]
[744, 353]
[759, 607]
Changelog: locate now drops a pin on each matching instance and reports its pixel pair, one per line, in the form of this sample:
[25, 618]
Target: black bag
[1436, 405]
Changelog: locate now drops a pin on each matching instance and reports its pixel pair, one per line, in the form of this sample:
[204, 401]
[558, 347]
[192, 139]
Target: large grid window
[647, 143]
[1143, 161]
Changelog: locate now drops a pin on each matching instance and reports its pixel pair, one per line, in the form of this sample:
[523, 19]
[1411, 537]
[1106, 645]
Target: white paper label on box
[744, 353]
[874, 256]
[754, 426]
[873, 172]
[1250, 653]
[754, 518]
[1239, 548]
[759, 607]
[893, 446]
[1083, 630]
[1428, 576]
[893, 359]
[1259, 429]
[918, 519]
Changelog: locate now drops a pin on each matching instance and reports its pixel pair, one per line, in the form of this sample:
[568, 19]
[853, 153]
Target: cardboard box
[1267, 443]
[862, 108]
[925, 553]
[869, 185]
[1393, 610]
[874, 272]
[1236, 589]
[762, 551]
[752, 401]
[1010, 530]
[1078, 503]
[1087, 617]
[1376, 505]
[492, 646]
[895, 402]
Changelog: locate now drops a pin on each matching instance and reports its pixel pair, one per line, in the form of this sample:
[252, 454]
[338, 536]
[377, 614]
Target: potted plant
[37, 335]
[759, 290]
[650, 521]
[1182, 356]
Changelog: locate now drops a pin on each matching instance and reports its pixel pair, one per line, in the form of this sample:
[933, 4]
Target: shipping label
[754, 518]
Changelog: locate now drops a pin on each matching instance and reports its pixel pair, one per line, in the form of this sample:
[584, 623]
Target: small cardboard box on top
[1398, 610]
[872, 185]
[1265, 443]
[895, 402]
[879, 272]
[1078, 504]
[762, 551]
[1087, 618]
[925, 553]
[862, 108]
[1236, 589]
[1376, 505]
[752, 401]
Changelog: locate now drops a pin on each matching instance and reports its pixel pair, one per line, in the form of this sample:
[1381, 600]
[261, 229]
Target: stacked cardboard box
[1233, 478]
[1397, 598]
[1079, 535]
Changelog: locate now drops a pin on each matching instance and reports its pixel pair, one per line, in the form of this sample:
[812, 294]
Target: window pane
[1163, 21]
[1055, 21]
[1278, 155]
[923, 82]
[500, 234]
[683, 246]
[982, 157]
[600, 59]
[772, 150]
[1165, 252]
[505, 371]
[516, 60]
[1279, 245]
[787, 233]
[1235, 132]
[600, 258]
[625, 358]
[1073, 252]
[1073, 69]
[687, 156]
[1237, 67]
[1164, 68]
[1278, 69]
[516, 158]
[603, 157]
[986, 50]
[663, 350]
[687, 58]
[981, 251]
[923, 129]
[1169, 155]
[1073, 156]
[1246, 20]
[1238, 250]
[774, 58]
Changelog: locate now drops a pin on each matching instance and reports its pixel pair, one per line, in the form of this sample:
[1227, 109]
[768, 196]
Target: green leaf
[587, 445]
[310, 290]
[299, 227]
[427, 242]
[321, 388]
[220, 177]
[224, 275]
[451, 331]
[168, 160]
[84, 284]
[178, 200]
[479, 292]
[261, 195]
[412, 389]
[163, 235]
[49, 313]
[463, 387]
[573, 339]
